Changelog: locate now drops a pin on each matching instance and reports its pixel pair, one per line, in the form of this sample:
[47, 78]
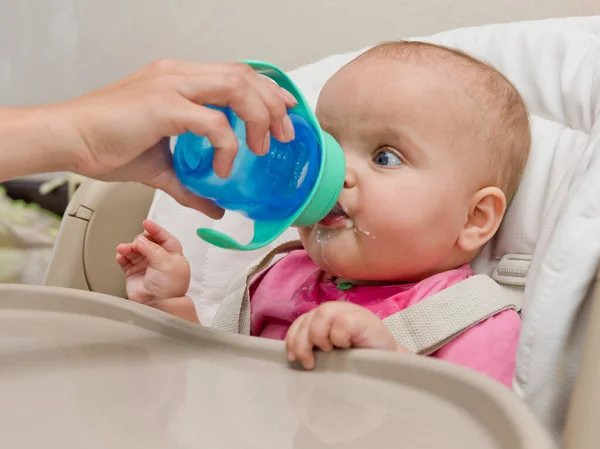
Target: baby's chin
[335, 251]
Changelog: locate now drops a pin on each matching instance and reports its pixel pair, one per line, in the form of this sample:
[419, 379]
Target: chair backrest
[99, 217]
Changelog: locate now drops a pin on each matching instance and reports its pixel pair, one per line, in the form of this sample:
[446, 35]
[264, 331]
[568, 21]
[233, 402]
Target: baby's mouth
[337, 219]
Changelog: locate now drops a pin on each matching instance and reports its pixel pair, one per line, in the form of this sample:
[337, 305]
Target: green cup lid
[324, 194]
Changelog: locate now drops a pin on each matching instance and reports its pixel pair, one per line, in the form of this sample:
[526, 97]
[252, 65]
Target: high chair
[82, 367]
[119, 372]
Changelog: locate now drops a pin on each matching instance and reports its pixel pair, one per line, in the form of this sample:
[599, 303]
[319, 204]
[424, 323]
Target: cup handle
[264, 234]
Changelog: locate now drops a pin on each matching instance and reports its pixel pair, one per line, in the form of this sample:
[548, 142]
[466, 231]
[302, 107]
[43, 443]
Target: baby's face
[404, 128]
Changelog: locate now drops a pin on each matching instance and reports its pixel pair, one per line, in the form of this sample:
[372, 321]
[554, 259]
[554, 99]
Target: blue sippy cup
[296, 183]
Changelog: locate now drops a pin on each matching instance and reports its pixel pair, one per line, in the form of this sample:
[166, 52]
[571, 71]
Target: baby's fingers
[361, 329]
[161, 236]
[290, 338]
[299, 344]
[124, 249]
[130, 260]
[157, 256]
[343, 330]
[123, 262]
[319, 330]
[130, 252]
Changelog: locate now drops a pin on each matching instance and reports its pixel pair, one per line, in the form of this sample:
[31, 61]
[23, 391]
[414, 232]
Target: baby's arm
[490, 347]
[157, 274]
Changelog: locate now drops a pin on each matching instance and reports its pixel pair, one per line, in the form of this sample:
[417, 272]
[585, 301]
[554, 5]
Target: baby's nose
[349, 179]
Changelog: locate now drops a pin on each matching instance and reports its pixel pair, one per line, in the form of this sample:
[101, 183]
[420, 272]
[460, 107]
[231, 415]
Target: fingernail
[290, 356]
[266, 143]
[289, 97]
[143, 240]
[288, 128]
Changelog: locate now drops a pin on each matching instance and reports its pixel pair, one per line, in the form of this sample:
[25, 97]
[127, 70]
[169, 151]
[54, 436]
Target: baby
[436, 143]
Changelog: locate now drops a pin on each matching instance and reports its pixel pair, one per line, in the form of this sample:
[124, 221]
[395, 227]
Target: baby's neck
[342, 280]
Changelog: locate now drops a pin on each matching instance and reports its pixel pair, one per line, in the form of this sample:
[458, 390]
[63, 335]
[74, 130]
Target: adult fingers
[169, 183]
[213, 124]
[281, 125]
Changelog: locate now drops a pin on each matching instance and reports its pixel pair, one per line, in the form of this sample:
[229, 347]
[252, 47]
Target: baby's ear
[486, 211]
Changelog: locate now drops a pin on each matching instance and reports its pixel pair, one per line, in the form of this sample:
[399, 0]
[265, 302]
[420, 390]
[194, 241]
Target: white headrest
[555, 66]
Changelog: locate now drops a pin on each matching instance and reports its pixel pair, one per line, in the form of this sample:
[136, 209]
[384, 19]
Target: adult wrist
[35, 140]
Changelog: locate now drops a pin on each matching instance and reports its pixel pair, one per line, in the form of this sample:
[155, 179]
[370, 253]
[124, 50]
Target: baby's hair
[502, 114]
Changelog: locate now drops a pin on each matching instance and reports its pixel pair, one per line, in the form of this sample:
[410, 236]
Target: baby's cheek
[396, 245]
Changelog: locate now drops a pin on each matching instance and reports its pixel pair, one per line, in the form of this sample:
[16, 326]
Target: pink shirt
[296, 285]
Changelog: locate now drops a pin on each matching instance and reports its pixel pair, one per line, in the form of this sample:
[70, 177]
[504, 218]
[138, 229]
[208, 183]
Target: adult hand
[119, 132]
[123, 126]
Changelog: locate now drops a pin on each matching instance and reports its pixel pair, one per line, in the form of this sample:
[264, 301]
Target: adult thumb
[168, 182]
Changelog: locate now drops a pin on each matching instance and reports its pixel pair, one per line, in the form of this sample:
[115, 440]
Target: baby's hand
[336, 324]
[154, 266]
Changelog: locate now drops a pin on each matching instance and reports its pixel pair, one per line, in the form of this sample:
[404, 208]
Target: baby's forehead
[395, 79]
[394, 63]
[421, 93]
[428, 55]
[433, 71]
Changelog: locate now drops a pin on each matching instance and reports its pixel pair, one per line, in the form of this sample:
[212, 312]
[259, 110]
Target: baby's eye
[386, 158]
